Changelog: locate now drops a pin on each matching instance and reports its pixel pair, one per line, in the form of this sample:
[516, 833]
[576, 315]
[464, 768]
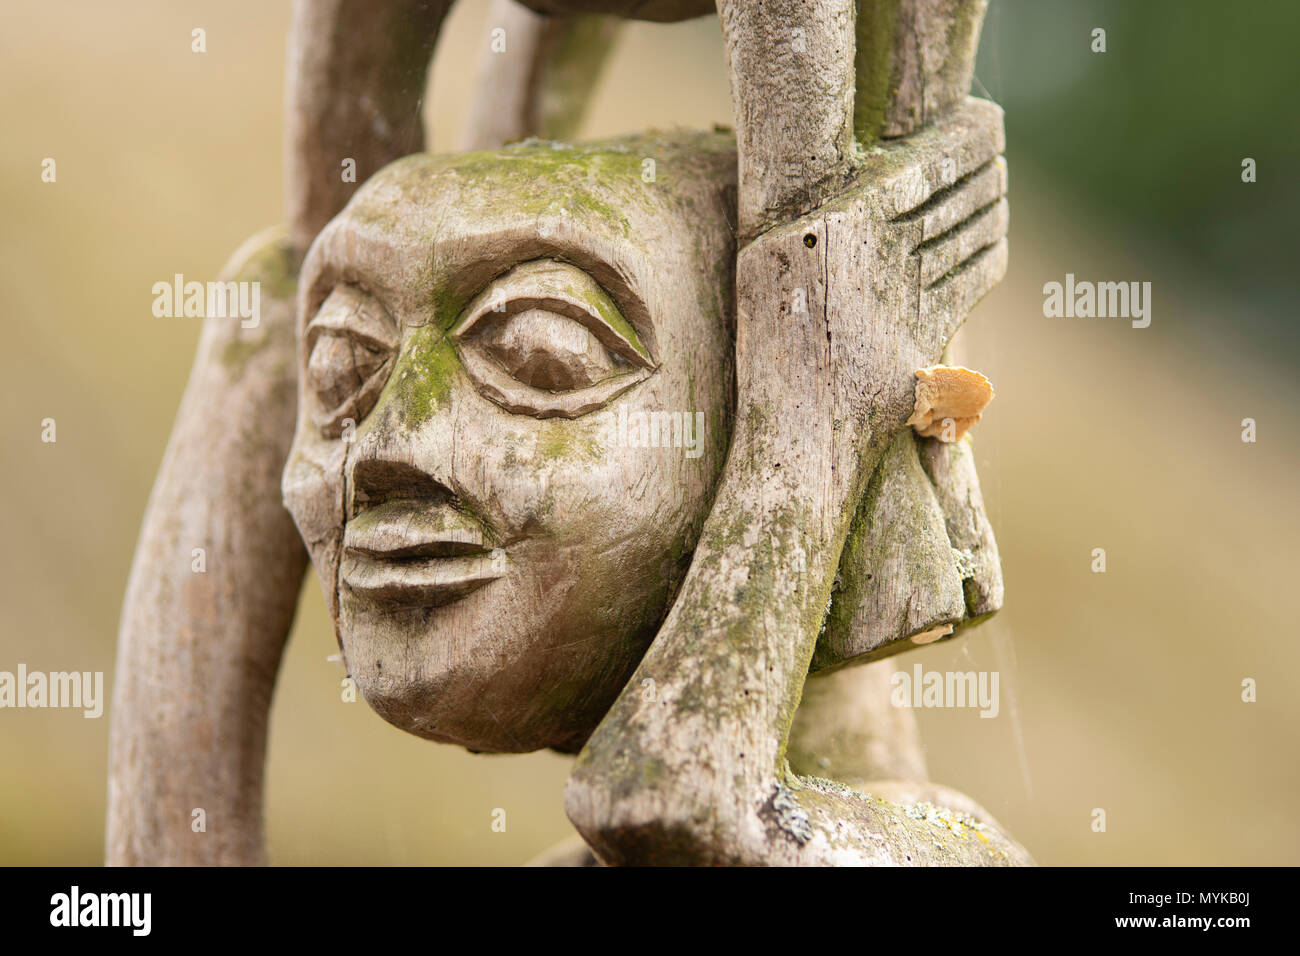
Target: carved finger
[950, 300]
[928, 181]
[949, 204]
[943, 255]
[949, 209]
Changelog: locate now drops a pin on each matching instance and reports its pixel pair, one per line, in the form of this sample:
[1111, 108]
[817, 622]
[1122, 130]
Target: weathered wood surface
[497, 554]
[847, 729]
[540, 84]
[885, 255]
[198, 651]
[792, 83]
[693, 775]
[951, 467]
[915, 60]
[356, 77]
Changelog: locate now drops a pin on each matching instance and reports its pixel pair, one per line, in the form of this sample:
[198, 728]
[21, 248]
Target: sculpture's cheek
[312, 487]
[593, 535]
[312, 490]
[527, 662]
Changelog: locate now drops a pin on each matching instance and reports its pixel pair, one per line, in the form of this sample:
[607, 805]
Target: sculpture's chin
[438, 708]
[451, 675]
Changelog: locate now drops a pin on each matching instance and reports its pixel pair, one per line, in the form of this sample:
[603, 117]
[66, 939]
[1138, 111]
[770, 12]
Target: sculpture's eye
[546, 340]
[547, 350]
[351, 342]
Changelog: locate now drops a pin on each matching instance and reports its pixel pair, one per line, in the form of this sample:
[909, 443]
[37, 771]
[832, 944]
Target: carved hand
[839, 306]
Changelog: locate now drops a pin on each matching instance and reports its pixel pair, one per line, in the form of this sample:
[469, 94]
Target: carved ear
[920, 561]
[897, 578]
[951, 469]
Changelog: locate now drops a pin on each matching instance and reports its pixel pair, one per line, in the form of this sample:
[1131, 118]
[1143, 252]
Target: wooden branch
[915, 60]
[792, 86]
[541, 84]
[356, 77]
[202, 632]
[847, 729]
[659, 11]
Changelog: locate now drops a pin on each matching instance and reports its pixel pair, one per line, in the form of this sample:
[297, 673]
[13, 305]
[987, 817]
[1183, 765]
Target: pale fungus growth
[949, 401]
[932, 635]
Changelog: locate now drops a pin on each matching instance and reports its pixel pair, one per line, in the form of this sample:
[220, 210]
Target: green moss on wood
[874, 64]
[269, 263]
[423, 377]
[607, 310]
[590, 177]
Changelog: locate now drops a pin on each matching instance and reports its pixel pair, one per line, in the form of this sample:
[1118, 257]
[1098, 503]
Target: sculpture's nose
[406, 446]
[376, 481]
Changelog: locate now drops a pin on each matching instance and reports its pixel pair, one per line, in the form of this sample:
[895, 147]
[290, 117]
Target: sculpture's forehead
[428, 231]
[622, 184]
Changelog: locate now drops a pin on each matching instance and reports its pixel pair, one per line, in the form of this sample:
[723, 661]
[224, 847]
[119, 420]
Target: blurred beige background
[1119, 690]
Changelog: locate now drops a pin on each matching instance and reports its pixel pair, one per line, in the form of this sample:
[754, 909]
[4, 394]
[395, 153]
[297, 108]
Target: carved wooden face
[515, 390]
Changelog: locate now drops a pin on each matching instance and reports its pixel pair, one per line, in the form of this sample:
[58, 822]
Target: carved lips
[409, 553]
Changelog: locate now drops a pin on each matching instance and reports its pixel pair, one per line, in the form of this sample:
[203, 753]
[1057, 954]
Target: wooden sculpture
[590, 459]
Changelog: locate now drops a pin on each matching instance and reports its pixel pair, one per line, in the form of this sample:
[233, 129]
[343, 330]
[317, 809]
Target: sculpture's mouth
[404, 553]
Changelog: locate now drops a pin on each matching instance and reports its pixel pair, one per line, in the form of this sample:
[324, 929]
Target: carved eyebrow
[617, 268]
[351, 251]
[562, 288]
[423, 277]
[358, 315]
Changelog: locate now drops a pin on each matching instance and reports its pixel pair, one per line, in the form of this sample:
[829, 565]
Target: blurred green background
[1120, 691]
